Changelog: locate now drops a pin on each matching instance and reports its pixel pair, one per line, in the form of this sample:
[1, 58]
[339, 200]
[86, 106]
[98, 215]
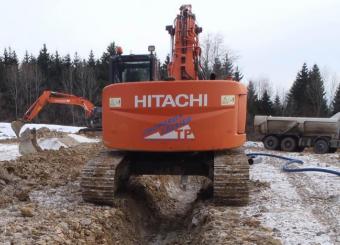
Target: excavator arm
[50, 97]
[186, 51]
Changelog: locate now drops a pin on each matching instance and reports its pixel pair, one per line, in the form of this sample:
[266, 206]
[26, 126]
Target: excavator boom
[185, 49]
[51, 97]
[27, 140]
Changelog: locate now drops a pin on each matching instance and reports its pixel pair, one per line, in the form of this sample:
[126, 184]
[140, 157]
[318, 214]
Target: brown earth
[40, 203]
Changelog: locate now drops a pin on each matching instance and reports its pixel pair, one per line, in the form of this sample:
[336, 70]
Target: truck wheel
[271, 142]
[300, 149]
[332, 150]
[289, 144]
[321, 146]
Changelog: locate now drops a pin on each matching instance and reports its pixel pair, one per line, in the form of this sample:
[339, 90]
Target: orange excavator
[92, 113]
[183, 126]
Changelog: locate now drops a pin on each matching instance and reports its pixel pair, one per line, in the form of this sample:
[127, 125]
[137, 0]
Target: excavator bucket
[28, 142]
[16, 126]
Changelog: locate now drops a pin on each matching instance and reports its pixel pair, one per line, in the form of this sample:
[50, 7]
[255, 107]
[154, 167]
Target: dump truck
[294, 134]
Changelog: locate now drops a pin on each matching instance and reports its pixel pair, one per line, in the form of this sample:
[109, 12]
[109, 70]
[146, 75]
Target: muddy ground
[40, 203]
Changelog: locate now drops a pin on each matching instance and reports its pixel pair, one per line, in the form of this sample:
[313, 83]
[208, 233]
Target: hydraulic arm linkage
[50, 97]
[185, 49]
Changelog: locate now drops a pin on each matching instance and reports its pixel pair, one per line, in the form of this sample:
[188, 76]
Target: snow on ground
[302, 208]
[51, 144]
[9, 152]
[6, 131]
[83, 139]
[253, 144]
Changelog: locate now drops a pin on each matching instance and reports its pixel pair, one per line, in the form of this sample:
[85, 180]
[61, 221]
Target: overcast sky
[272, 38]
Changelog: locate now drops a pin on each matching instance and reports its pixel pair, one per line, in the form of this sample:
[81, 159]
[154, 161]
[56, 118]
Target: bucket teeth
[16, 127]
[28, 142]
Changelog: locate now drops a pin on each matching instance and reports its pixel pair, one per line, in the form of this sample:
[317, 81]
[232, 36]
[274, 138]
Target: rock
[22, 194]
[64, 226]
[26, 211]
[85, 222]
[194, 221]
[276, 230]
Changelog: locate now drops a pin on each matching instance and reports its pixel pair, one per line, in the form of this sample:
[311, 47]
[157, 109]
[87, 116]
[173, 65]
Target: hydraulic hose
[289, 161]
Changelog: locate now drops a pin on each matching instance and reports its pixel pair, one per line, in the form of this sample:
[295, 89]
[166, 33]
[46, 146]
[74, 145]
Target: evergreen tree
[110, 51]
[277, 107]
[296, 100]
[67, 61]
[10, 57]
[237, 75]
[265, 104]
[91, 60]
[252, 110]
[44, 61]
[228, 67]
[164, 68]
[55, 73]
[103, 65]
[316, 101]
[217, 69]
[251, 98]
[26, 59]
[336, 101]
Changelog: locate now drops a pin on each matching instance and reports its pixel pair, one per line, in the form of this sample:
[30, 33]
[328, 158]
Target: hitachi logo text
[180, 100]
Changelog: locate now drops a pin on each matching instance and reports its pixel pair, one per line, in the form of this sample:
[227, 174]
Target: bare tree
[261, 85]
[12, 81]
[214, 48]
[331, 87]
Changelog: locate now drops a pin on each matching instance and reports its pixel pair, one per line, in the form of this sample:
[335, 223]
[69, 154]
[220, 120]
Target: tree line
[305, 98]
[21, 83]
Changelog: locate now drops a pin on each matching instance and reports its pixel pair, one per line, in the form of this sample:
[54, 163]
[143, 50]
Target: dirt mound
[177, 215]
[45, 132]
[46, 168]
[40, 203]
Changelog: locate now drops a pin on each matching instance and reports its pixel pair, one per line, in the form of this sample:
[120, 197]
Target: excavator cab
[134, 68]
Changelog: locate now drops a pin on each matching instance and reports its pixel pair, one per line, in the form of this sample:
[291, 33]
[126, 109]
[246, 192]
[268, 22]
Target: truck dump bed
[305, 126]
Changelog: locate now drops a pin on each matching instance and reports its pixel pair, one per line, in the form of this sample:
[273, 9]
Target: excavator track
[101, 177]
[231, 178]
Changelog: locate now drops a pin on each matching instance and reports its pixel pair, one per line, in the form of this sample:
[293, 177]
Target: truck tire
[271, 142]
[321, 146]
[289, 144]
[332, 150]
[300, 149]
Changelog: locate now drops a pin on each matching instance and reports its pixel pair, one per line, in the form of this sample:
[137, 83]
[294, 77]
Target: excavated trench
[162, 207]
[41, 204]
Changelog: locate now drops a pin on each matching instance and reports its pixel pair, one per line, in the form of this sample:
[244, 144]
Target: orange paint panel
[174, 115]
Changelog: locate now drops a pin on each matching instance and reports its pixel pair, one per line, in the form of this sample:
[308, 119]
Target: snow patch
[6, 131]
[51, 144]
[293, 220]
[9, 152]
[83, 139]
[253, 144]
